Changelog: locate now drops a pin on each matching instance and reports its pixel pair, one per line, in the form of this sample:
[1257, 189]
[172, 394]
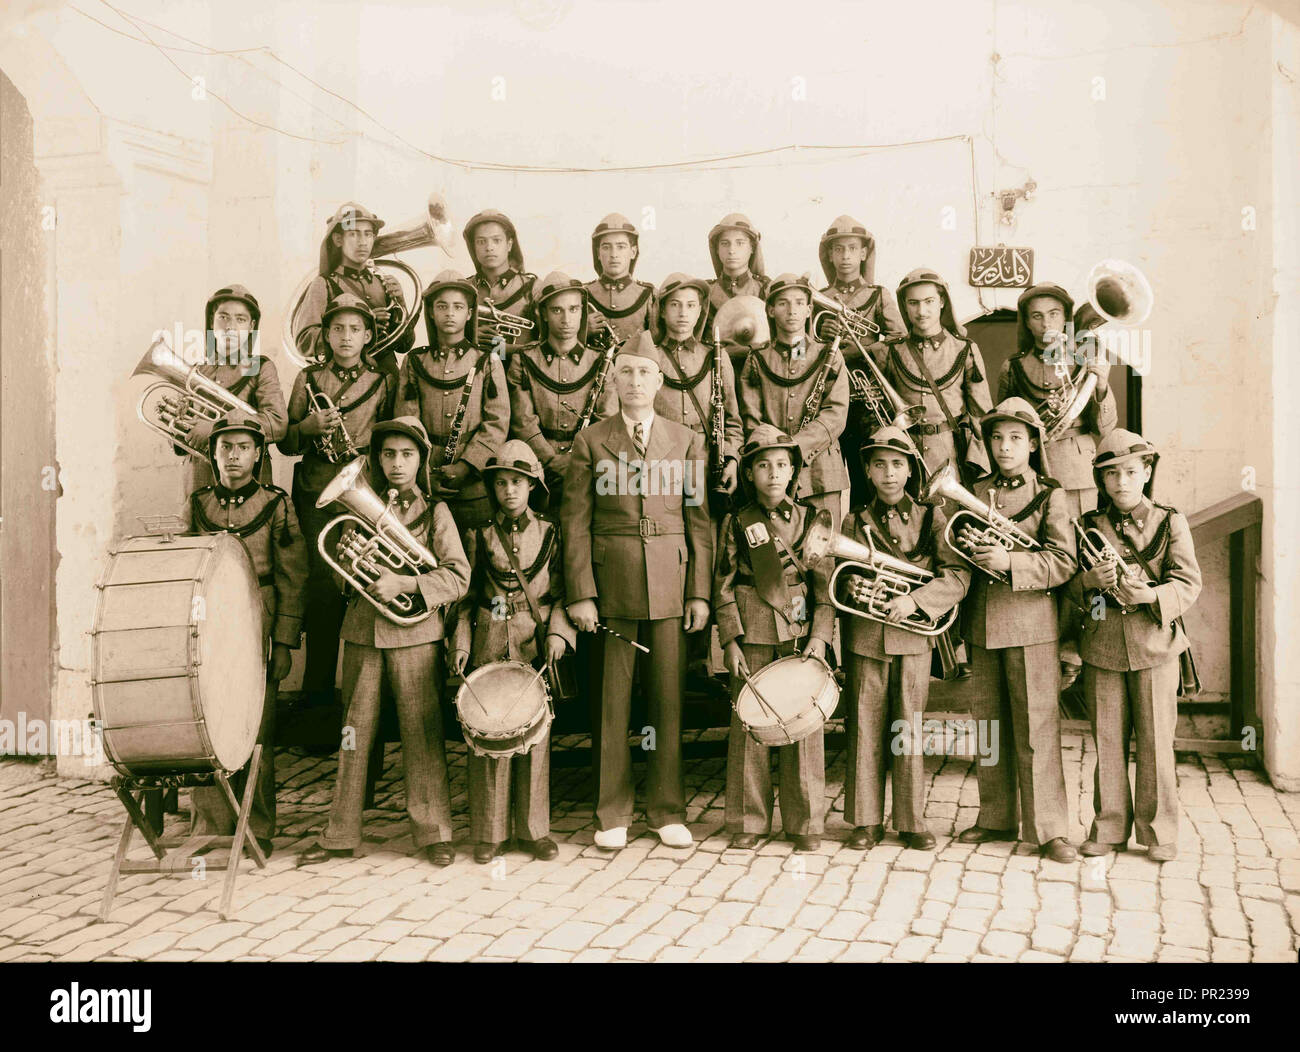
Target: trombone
[976, 523]
[183, 390]
[377, 541]
[431, 228]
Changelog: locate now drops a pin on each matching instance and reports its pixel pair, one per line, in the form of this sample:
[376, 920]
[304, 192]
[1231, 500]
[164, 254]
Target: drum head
[232, 665]
[790, 688]
[502, 699]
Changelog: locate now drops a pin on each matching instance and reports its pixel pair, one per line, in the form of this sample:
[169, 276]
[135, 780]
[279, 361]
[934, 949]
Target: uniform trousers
[663, 673]
[878, 693]
[1016, 692]
[424, 762]
[1141, 704]
[210, 812]
[802, 768]
[322, 616]
[513, 787]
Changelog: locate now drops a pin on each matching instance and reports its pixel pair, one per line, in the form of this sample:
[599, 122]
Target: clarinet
[597, 389]
[457, 425]
[719, 412]
[813, 404]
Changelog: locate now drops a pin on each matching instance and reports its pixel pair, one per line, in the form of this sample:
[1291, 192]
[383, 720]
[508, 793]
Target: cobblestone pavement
[1232, 895]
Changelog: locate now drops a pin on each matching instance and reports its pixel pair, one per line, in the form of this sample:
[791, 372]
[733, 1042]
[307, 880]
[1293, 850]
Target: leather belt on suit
[552, 434]
[932, 429]
[518, 605]
[642, 528]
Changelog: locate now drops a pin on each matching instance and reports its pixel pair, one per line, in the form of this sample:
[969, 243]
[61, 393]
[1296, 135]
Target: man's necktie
[638, 438]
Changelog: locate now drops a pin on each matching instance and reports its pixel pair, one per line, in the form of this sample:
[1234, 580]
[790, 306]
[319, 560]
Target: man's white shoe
[675, 835]
[613, 839]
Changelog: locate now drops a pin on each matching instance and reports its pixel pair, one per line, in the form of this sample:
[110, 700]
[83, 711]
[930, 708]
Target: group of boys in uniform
[496, 452]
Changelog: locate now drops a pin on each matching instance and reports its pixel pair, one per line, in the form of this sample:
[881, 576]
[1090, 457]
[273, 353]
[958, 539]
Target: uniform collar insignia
[731, 284]
[903, 507]
[236, 496]
[347, 374]
[1009, 482]
[616, 284]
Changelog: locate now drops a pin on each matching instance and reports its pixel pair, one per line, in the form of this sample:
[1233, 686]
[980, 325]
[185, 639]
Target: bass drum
[787, 700]
[178, 665]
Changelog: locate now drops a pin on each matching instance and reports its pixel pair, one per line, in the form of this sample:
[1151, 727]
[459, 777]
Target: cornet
[1117, 292]
[853, 323]
[976, 523]
[335, 445]
[868, 578]
[493, 322]
[378, 541]
[1096, 550]
[182, 388]
[431, 228]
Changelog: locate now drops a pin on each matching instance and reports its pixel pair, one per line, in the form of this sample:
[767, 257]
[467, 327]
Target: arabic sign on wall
[1000, 267]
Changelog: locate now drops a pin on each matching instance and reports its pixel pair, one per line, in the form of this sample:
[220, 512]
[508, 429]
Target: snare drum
[787, 700]
[178, 665]
[504, 709]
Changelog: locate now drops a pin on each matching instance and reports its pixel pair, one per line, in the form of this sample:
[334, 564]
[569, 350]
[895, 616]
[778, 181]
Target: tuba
[855, 324]
[1117, 292]
[976, 522]
[865, 579]
[377, 541]
[182, 387]
[431, 228]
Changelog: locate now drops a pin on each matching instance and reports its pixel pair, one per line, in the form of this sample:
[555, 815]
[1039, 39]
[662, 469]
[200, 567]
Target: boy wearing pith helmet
[938, 367]
[888, 665]
[499, 275]
[346, 267]
[514, 612]
[625, 303]
[1133, 648]
[261, 515]
[848, 257]
[801, 388]
[1011, 628]
[230, 321]
[770, 604]
[735, 247]
[559, 384]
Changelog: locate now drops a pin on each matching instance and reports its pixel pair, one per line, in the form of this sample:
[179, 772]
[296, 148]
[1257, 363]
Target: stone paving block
[1088, 949]
[1020, 921]
[817, 950]
[963, 944]
[410, 949]
[465, 945]
[212, 936]
[1133, 894]
[646, 947]
[1229, 950]
[1052, 939]
[969, 920]
[1005, 944]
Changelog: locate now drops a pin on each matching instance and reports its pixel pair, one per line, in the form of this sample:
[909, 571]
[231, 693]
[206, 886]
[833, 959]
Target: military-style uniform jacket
[957, 367]
[742, 614]
[917, 530]
[495, 621]
[642, 553]
[627, 304]
[376, 288]
[1069, 457]
[512, 293]
[362, 395]
[260, 388]
[696, 363]
[774, 387]
[431, 386]
[871, 300]
[549, 393]
[1022, 611]
[263, 518]
[1137, 637]
[433, 527]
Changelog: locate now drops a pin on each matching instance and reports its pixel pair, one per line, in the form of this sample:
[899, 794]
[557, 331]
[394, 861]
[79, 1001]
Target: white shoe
[675, 835]
[613, 839]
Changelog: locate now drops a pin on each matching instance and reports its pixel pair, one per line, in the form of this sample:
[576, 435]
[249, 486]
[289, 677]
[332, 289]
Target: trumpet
[977, 523]
[431, 228]
[854, 323]
[377, 541]
[1096, 550]
[493, 322]
[1117, 292]
[335, 445]
[865, 579]
[182, 391]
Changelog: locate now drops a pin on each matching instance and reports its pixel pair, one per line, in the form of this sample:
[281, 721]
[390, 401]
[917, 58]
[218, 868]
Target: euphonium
[865, 579]
[853, 322]
[335, 445]
[1095, 550]
[431, 228]
[976, 523]
[494, 322]
[1117, 292]
[182, 387]
[378, 541]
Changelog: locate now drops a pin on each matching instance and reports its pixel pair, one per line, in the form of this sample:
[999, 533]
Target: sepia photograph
[614, 481]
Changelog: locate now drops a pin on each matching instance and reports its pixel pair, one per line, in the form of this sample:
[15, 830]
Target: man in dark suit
[638, 551]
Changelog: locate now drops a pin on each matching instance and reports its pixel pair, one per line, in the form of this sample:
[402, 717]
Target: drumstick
[537, 674]
[606, 628]
[761, 700]
[473, 695]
